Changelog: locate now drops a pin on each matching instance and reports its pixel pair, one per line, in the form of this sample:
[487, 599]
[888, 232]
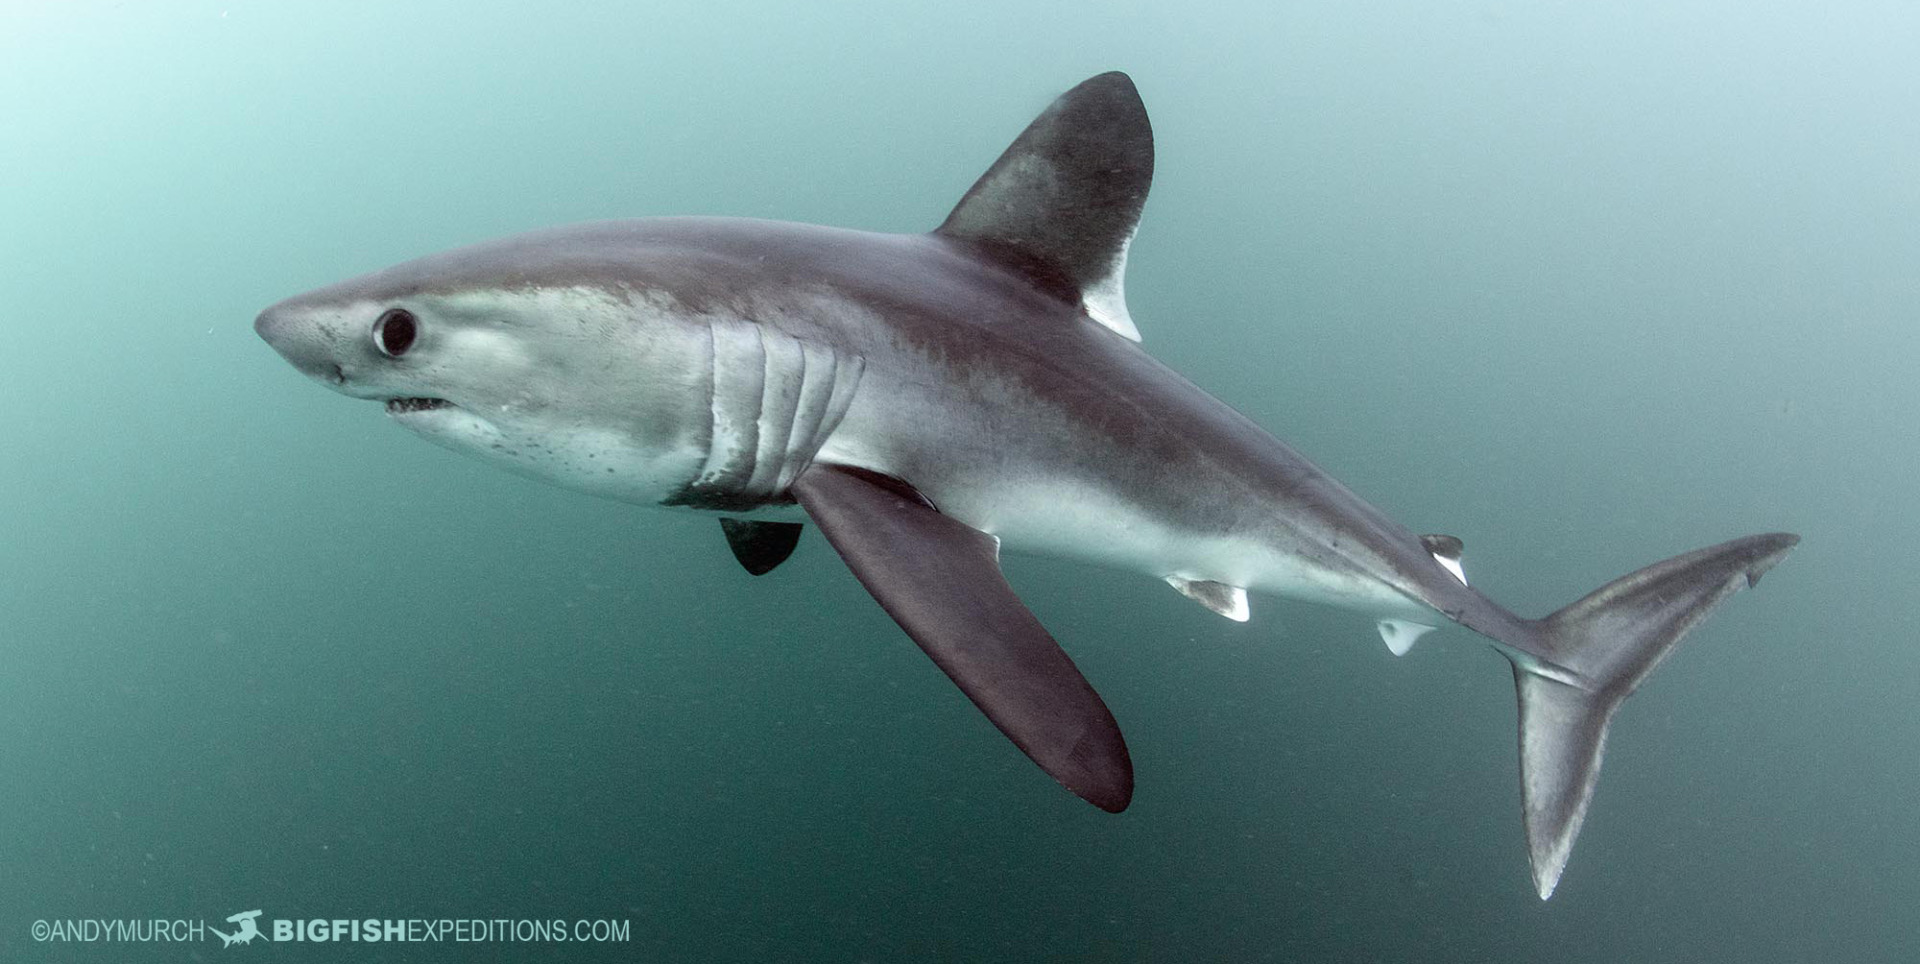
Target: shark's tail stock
[1574, 667]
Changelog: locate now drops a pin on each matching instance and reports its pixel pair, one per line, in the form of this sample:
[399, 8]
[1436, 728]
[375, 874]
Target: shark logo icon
[243, 934]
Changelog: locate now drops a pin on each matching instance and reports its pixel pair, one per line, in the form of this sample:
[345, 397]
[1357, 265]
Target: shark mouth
[407, 406]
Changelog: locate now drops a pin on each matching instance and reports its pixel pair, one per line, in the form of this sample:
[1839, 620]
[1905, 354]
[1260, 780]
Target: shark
[245, 933]
[927, 400]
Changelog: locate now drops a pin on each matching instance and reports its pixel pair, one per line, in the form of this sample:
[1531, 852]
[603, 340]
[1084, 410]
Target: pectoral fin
[760, 546]
[940, 580]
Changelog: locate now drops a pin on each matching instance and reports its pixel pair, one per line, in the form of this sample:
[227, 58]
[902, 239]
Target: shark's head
[508, 352]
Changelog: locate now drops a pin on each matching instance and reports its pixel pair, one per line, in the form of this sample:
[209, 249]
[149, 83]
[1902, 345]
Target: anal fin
[1400, 635]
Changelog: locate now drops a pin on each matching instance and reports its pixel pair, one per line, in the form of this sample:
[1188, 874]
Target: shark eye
[394, 332]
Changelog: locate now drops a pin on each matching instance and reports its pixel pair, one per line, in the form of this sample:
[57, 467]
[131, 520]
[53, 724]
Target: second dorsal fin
[1446, 551]
[1062, 203]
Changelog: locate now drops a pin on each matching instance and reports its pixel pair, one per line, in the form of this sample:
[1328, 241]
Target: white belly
[1075, 522]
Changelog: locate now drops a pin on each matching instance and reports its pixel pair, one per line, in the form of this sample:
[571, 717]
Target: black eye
[394, 332]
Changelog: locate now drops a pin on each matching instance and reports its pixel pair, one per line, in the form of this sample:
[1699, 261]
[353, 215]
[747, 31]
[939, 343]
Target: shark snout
[303, 340]
[271, 325]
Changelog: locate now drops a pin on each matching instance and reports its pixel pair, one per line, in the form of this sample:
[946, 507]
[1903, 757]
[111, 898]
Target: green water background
[1587, 285]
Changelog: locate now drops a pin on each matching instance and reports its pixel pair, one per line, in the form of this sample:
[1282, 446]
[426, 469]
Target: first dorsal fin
[1062, 203]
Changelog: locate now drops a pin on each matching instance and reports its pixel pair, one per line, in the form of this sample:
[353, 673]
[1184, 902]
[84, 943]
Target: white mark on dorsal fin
[1446, 551]
[1228, 601]
[1400, 635]
[1106, 300]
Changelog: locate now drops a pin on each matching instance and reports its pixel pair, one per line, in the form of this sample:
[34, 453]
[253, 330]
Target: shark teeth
[403, 406]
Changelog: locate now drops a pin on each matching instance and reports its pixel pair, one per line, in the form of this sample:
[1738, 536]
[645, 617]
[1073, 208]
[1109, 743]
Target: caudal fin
[1591, 656]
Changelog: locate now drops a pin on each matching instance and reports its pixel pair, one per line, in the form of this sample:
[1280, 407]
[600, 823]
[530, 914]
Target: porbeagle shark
[926, 399]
